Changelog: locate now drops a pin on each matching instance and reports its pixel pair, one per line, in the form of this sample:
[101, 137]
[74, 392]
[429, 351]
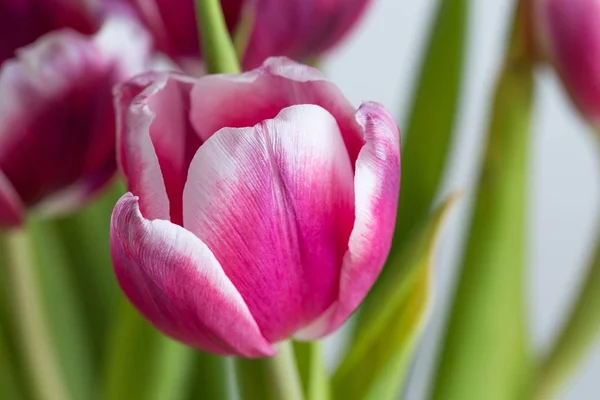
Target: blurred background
[378, 61]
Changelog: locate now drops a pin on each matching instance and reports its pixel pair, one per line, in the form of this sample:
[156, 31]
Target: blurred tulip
[262, 205]
[23, 21]
[569, 34]
[300, 29]
[57, 129]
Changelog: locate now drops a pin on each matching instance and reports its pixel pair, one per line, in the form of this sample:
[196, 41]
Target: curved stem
[218, 50]
[578, 333]
[284, 376]
[33, 333]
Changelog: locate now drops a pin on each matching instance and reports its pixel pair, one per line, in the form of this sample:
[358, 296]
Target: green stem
[311, 366]
[577, 335]
[284, 376]
[33, 332]
[217, 48]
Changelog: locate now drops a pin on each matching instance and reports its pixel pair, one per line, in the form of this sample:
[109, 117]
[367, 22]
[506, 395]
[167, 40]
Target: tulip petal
[156, 141]
[56, 116]
[11, 209]
[244, 100]
[173, 278]
[300, 29]
[376, 186]
[275, 205]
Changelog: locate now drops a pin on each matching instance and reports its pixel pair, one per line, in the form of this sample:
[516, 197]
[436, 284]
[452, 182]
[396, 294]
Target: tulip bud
[299, 29]
[22, 22]
[569, 34]
[262, 205]
[57, 129]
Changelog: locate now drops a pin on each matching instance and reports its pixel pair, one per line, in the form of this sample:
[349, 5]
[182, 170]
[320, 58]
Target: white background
[378, 62]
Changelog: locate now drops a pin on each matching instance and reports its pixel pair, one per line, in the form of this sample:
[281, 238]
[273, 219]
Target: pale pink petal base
[173, 278]
[376, 187]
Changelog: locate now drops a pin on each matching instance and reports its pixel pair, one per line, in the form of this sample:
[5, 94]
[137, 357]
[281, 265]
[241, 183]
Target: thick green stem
[577, 335]
[218, 50]
[33, 333]
[284, 376]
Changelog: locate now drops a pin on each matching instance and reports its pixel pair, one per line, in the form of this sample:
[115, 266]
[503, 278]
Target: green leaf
[212, 377]
[63, 310]
[253, 380]
[85, 239]
[430, 128]
[382, 348]
[10, 384]
[485, 351]
[32, 317]
[579, 332]
[142, 363]
[311, 366]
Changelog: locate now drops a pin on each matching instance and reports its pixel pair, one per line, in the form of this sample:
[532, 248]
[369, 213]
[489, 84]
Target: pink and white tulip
[57, 129]
[299, 29]
[261, 206]
[569, 34]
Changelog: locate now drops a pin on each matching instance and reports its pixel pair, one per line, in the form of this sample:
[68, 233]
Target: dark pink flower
[57, 129]
[299, 29]
[262, 205]
[569, 32]
[24, 21]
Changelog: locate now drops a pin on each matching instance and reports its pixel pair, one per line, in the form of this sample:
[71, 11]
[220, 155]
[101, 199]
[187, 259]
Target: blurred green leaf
[10, 386]
[85, 238]
[253, 379]
[45, 368]
[311, 366]
[143, 364]
[380, 354]
[431, 122]
[212, 377]
[580, 331]
[485, 351]
[63, 310]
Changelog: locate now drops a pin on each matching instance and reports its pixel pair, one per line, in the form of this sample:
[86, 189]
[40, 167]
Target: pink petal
[23, 22]
[173, 278]
[570, 32]
[173, 23]
[275, 205]
[156, 141]
[237, 101]
[11, 209]
[376, 186]
[300, 29]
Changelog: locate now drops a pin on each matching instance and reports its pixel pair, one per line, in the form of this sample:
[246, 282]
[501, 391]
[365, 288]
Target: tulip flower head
[22, 22]
[261, 206]
[57, 129]
[569, 34]
[299, 29]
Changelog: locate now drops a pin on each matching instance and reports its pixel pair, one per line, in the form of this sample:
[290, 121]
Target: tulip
[569, 34]
[57, 129]
[23, 21]
[261, 205]
[300, 29]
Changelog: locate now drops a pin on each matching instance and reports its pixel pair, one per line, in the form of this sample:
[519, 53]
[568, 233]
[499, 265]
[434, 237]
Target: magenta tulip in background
[23, 21]
[57, 129]
[299, 29]
[262, 205]
[569, 33]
